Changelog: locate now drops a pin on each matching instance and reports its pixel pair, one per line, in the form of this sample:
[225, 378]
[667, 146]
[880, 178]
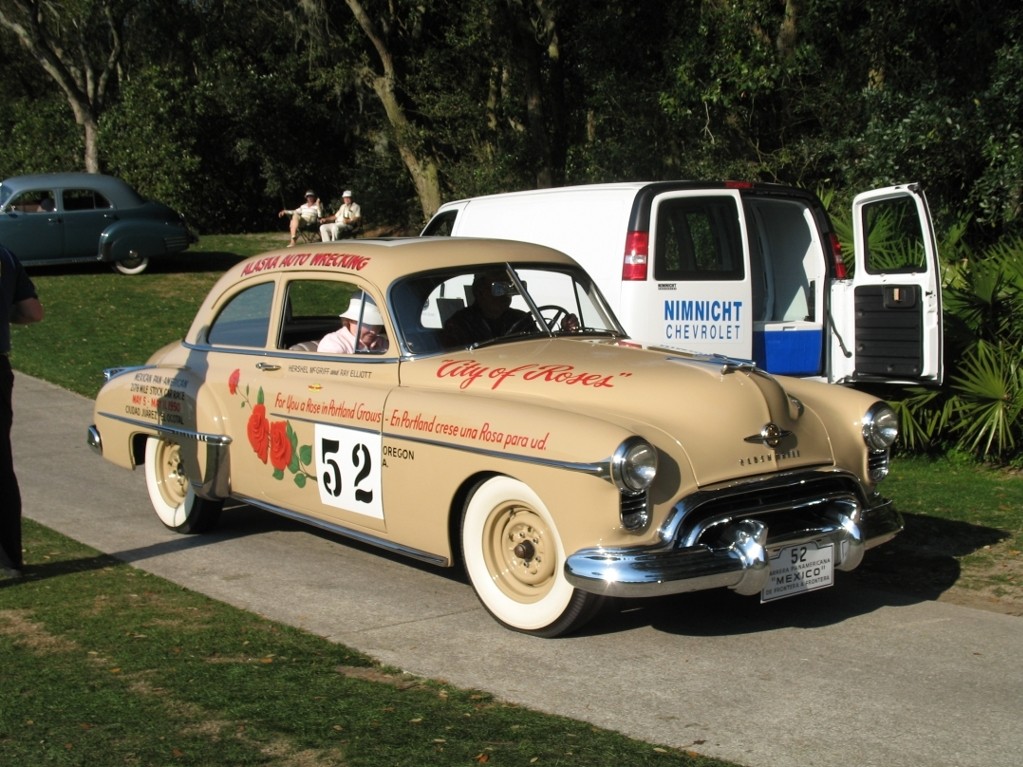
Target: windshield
[468, 307]
[5, 195]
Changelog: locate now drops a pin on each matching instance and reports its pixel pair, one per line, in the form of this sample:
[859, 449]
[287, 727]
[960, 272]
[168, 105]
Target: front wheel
[171, 494]
[515, 560]
[134, 264]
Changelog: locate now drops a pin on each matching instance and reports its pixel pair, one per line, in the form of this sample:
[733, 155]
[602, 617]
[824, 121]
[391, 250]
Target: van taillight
[841, 273]
[637, 252]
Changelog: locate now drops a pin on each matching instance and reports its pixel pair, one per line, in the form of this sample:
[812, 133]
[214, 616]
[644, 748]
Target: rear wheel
[171, 494]
[515, 560]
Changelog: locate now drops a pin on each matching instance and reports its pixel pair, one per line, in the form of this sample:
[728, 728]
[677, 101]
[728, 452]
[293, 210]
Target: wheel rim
[170, 475]
[519, 552]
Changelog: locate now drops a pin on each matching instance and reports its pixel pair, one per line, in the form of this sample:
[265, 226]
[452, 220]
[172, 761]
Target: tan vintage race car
[475, 402]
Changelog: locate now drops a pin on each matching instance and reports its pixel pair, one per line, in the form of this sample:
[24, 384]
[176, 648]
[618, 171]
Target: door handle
[267, 366]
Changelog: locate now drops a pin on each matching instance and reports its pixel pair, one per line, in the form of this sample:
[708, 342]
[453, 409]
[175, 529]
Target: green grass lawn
[104, 664]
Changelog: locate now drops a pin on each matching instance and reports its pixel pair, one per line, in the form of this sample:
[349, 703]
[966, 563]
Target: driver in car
[490, 315]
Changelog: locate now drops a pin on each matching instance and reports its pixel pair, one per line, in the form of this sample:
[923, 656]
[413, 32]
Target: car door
[306, 426]
[888, 316]
[31, 227]
[86, 213]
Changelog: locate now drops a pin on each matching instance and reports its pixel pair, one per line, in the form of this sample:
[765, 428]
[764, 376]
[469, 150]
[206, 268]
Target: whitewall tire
[515, 561]
[170, 492]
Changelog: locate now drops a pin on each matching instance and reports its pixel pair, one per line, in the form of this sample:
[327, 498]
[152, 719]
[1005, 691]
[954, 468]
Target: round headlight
[634, 465]
[880, 427]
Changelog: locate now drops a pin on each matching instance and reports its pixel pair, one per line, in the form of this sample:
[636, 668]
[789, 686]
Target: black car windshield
[467, 307]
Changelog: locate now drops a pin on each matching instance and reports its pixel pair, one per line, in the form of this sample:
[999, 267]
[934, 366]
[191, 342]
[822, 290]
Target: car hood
[724, 419]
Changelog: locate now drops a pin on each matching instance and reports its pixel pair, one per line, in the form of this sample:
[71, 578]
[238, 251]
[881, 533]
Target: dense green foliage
[229, 110]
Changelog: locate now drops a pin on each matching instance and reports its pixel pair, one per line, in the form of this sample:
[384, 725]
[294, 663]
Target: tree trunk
[65, 47]
[422, 168]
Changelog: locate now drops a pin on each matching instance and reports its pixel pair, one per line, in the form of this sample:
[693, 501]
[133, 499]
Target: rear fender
[159, 401]
[132, 239]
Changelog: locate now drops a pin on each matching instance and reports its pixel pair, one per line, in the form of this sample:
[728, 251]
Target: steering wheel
[560, 313]
[526, 320]
[520, 324]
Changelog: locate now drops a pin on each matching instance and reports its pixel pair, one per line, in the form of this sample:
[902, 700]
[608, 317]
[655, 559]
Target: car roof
[385, 260]
[115, 189]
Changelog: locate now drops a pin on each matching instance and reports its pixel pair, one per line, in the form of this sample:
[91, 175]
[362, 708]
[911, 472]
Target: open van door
[887, 318]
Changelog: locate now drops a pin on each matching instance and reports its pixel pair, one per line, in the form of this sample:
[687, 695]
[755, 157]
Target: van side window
[698, 239]
[441, 225]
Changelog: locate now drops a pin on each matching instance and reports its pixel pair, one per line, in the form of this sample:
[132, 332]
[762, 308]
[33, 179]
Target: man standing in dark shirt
[19, 304]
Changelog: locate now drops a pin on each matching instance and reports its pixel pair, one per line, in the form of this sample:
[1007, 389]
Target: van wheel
[515, 561]
[171, 494]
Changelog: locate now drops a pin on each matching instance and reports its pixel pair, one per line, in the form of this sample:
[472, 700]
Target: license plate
[799, 569]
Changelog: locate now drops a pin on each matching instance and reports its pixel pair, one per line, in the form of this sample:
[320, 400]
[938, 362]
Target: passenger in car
[489, 316]
[362, 317]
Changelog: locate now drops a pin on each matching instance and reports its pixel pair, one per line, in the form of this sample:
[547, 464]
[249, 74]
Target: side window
[311, 310]
[34, 201]
[698, 239]
[85, 199]
[245, 320]
[441, 225]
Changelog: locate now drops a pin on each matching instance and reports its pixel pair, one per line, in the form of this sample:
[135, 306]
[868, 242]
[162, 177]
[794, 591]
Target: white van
[748, 271]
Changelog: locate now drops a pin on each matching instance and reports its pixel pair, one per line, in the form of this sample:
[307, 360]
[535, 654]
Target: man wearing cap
[360, 320]
[306, 215]
[344, 223]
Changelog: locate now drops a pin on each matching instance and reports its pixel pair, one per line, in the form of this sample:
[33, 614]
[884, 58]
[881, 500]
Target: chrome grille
[783, 504]
[635, 511]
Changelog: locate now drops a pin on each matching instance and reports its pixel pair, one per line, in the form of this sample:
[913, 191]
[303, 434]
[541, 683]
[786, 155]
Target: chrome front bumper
[738, 560]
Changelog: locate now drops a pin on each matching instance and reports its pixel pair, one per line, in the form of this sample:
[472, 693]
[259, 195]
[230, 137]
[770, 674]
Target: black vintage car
[63, 218]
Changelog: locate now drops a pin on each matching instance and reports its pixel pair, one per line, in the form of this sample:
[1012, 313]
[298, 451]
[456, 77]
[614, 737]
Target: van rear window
[697, 239]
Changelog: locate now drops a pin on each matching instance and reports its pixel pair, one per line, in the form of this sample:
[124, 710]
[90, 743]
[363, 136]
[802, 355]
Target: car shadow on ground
[917, 566]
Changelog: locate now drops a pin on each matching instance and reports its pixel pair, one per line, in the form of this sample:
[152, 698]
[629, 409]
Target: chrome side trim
[330, 527]
[260, 351]
[149, 426]
[600, 469]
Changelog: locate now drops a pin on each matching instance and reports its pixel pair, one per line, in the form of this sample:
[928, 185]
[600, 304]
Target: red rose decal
[259, 431]
[280, 445]
[275, 441]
